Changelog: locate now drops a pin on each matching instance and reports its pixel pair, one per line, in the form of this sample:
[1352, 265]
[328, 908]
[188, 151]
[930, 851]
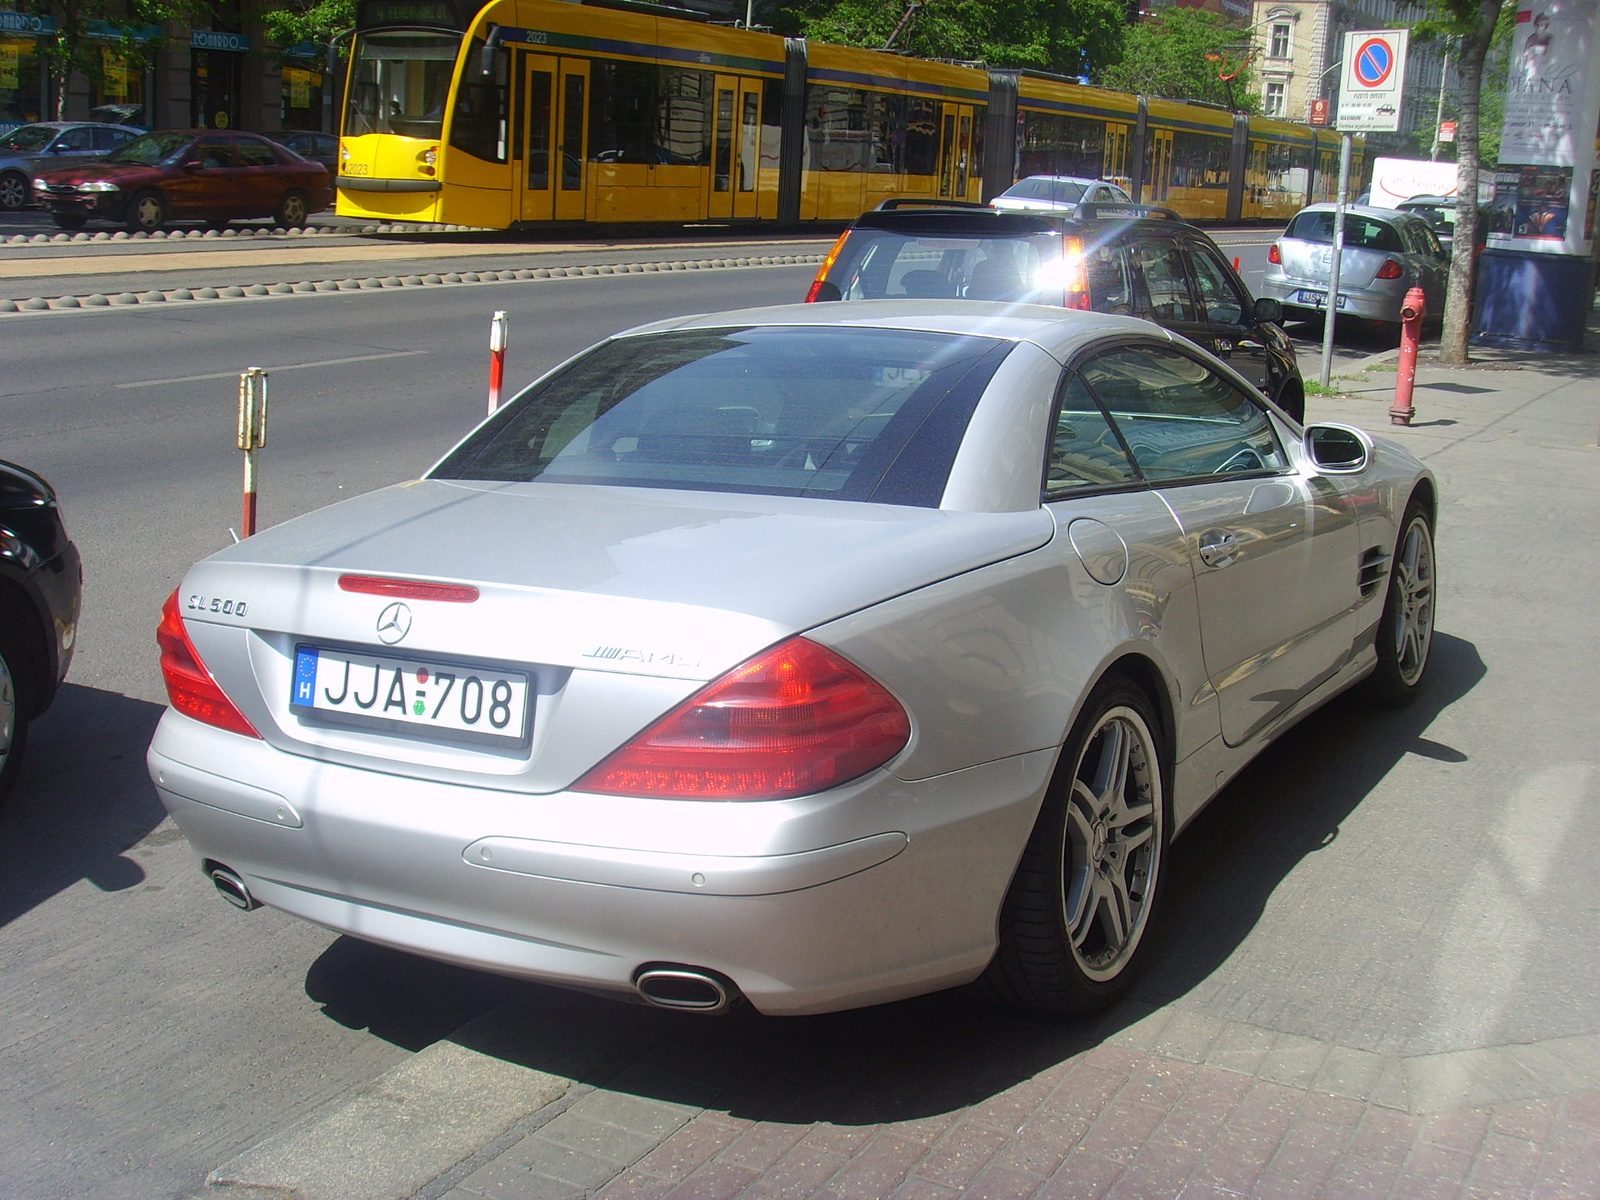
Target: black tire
[218, 223]
[1096, 857]
[293, 210]
[1405, 631]
[17, 701]
[70, 221]
[147, 212]
[15, 191]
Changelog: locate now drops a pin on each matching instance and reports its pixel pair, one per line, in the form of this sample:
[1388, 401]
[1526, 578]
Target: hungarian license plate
[411, 695]
[1320, 299]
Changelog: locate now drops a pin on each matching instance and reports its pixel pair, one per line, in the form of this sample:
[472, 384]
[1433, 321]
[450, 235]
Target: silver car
[812, 656]
[1386, 253]
[1059, 193]
[29, 149]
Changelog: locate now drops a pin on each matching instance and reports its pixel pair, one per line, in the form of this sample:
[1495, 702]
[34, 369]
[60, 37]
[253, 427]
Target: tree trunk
[1469, 72]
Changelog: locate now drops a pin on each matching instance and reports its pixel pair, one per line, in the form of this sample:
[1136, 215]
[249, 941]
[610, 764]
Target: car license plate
[1320, 299]
[411, 695]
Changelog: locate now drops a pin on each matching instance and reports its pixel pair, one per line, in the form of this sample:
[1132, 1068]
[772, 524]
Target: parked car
[207, 175]
[1139, 261]
[41, 581]
[29, 149]
[1060, 193]
[318, 147]
[1386, 253]
[817, 655]
[1440, 214]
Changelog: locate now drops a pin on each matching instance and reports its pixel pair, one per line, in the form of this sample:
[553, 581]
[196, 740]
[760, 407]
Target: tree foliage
[1166, 55]
[1069, 37]
[315, 21]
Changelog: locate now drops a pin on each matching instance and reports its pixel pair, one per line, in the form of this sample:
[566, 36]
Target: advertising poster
[1547, 143]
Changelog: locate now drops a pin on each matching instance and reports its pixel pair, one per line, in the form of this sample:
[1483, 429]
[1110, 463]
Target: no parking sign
[1374, 74]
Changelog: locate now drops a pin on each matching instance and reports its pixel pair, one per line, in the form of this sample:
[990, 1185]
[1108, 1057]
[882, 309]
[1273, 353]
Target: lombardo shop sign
[206, 39]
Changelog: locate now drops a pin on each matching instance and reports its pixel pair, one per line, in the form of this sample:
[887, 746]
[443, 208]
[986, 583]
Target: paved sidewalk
[945, 1097]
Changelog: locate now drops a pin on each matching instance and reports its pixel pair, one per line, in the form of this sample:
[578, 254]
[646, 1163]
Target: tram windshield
[400, 84]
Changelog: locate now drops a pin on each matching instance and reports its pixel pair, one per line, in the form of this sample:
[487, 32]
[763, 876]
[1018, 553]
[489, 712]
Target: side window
[255, 153]
[1085, 451]
[1180, 419]
[1110, 289]
[1429, 241]
[212, 152]
[75, 139]
[109, 139]
[1160, 264]
[1220, 302]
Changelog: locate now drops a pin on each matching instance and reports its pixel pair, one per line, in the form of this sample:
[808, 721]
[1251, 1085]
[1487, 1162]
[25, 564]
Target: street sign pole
[1333, 264]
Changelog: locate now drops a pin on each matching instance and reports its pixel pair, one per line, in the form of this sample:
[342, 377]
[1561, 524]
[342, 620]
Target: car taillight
[409, 589]
[1075, 274]
[827, 265]
[1391, 269]
[795, 719]
[1274, 255]
[189, 685]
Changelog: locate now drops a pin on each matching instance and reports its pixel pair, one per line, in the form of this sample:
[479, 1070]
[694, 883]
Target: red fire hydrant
[1410, 334]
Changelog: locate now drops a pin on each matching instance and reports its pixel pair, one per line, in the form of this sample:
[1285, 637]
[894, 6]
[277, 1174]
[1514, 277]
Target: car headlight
[40, 185]
[98, 185]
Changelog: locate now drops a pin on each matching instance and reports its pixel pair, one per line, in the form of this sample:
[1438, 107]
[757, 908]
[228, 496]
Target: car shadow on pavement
[925, 1057]
[82, 801]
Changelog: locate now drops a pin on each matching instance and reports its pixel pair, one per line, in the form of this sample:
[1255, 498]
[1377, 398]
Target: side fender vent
[1373, 571]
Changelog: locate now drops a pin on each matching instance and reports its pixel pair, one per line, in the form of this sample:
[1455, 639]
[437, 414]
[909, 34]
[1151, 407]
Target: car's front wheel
[1074, 922]
[16, 700]
[147, 212]
[291, 211]
[13, 190]
[1405, 632]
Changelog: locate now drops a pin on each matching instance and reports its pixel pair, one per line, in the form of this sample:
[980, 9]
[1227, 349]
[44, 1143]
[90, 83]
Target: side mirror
[1338, 449]
[193, 165]
[827, 290]
[1269, 309]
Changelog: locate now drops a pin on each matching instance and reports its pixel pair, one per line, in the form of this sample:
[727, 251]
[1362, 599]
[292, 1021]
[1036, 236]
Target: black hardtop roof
[960, 217]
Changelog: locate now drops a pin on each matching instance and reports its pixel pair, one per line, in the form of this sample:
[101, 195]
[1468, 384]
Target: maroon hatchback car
[207, 175]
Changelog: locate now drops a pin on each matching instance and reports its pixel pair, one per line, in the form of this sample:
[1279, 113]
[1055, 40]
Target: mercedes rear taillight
[795, 719]
[189, 685]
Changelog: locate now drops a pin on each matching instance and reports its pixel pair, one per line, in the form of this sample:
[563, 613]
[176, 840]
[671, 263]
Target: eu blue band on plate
[305, 676]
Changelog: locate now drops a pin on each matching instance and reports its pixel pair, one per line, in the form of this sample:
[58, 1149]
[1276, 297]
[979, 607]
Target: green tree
[1472, 24]
[316, 21]
[1187, 54]
[1064, 36]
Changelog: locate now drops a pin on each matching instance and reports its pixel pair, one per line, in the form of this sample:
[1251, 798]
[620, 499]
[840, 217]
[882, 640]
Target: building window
[1280, 41]
[1275, 99]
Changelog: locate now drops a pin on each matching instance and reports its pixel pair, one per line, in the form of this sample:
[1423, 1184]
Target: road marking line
[327, 362]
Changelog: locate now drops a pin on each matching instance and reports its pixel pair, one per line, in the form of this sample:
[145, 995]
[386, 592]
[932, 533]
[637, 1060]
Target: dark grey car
[32, 148]
[1386, 253]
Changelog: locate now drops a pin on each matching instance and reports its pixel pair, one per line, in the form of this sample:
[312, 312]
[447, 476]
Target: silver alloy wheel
[148, 212]
[292, 211]
[1113, 836]
[1413, 619]
[13, 190]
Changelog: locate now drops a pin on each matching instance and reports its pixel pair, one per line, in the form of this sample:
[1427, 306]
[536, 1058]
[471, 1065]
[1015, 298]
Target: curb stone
[308, 287]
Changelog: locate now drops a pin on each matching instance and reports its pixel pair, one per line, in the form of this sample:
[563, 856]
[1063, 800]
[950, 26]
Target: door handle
[1218, 548]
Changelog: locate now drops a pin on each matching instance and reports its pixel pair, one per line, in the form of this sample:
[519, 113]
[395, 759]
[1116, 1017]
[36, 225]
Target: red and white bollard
[497, 358]
[252, 436]
[1410, 334]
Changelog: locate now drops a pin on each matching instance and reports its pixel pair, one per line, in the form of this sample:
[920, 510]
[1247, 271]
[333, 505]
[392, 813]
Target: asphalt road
[150, 1033]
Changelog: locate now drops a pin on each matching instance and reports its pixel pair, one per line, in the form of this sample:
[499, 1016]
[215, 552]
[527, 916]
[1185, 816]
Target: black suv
[1113, 258]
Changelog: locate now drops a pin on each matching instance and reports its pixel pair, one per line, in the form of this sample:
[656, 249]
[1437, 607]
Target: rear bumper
[876, 891]
[1297, 296]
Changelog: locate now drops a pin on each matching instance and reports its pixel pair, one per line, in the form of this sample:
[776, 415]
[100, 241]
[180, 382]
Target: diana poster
[1548, 142]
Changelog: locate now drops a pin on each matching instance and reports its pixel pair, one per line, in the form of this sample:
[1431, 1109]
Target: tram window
[622, 108]
[1199, 160]
[723, 168]
[683, 128]
[750, 138]
[572, 134]
[922, 136]
[478, 124]
[886, 120]
[771, 132]
[980, 116]
[836, 124]
[539, 131]
[1055, 144]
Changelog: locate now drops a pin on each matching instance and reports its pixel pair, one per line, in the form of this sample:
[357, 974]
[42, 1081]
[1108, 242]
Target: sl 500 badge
[216, 604]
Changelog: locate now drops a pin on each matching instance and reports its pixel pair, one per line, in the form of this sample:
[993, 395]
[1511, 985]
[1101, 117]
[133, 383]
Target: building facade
[223, 72]
[1299, 49]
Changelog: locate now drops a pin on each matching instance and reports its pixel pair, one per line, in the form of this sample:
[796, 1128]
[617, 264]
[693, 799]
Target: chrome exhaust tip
[232, 889]
[687, 989]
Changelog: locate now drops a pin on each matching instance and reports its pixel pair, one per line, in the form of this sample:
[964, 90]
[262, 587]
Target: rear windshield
[1060, 191]
[1439, 216]
[1366, 232]
[840, 412]
[877, 264]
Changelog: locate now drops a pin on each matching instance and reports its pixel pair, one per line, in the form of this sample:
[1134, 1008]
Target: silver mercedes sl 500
[811, 656]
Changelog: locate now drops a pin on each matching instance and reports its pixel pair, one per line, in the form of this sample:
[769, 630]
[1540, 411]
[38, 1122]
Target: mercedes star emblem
[394, 622]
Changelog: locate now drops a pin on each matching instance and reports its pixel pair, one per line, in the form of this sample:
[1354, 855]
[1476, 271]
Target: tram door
[1114, 166]
[1157, 166]
[554, 176]
[735, 147]
[955, 151]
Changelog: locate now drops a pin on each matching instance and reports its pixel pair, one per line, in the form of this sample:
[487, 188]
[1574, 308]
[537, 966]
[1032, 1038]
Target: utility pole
[1438, 114]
